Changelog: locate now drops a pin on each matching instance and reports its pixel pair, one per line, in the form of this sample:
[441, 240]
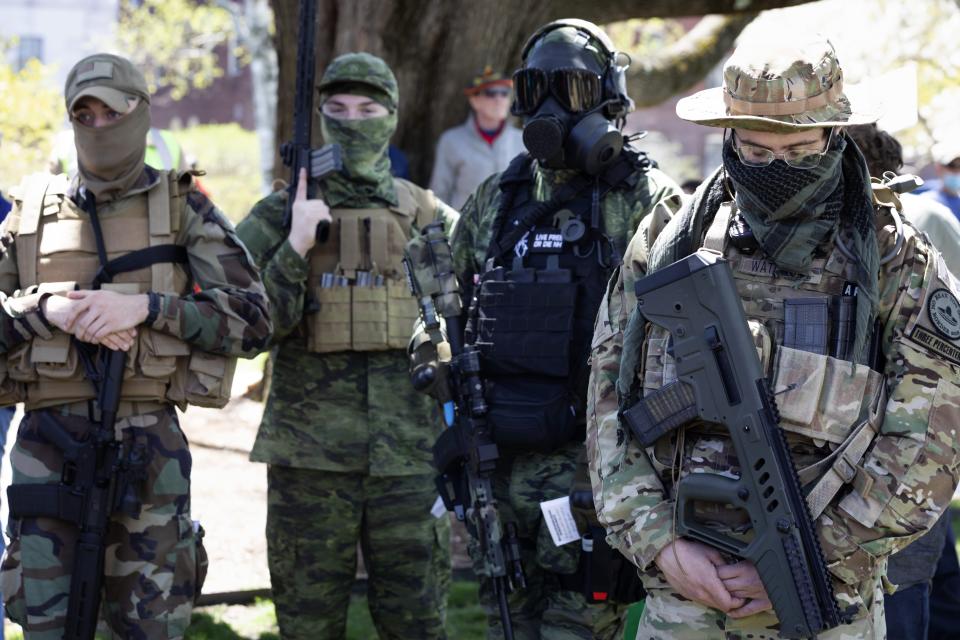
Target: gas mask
[560, 90]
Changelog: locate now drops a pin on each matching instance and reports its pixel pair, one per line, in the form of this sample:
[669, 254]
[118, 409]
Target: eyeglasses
[577, 90]
[496, 92]
[756, 156]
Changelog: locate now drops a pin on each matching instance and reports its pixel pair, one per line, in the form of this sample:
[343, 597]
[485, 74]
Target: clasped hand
[307, 214]
[99, 317]
[699, 572]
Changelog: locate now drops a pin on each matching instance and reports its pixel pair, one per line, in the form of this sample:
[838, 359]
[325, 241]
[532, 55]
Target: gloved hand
[428, 371]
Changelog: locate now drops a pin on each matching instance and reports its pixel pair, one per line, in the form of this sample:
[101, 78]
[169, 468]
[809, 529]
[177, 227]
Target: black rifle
[297, 153]
[719, 380]
[464, 454]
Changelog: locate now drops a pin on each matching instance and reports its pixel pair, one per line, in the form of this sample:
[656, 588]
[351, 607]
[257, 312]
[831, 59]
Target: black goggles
[577, 90]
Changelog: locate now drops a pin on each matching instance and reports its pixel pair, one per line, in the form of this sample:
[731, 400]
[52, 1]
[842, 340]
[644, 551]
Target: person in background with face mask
[551, 228]
[946, 155]
[346, 439]
[793, 212]
[483, 145]
[184, 296]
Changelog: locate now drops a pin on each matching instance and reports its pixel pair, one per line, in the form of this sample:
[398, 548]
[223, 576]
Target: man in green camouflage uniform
[347, 439]
[553, 605]
[803, 227]
[171, 318]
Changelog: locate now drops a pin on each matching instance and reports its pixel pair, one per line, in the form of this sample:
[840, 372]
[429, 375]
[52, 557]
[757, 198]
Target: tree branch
[685, 62]
[605, 11]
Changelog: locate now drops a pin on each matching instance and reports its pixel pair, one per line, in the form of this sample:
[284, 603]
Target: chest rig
[359, 298]
[57, 252]
[803, 328]
[532, 316]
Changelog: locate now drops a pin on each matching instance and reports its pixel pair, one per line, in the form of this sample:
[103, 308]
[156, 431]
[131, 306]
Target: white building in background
[58, 32]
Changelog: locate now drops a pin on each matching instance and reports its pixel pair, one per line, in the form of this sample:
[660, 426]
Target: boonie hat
[781, 87]
[109, 78]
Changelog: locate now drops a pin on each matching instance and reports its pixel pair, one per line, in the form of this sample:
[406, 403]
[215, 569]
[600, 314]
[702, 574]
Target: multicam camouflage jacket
[345, 411]
[227, 312]
[892, 493]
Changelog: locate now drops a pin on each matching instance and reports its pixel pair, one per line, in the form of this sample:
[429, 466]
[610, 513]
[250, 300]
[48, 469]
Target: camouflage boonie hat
[360, 69]
[781, 88]
[109, 78]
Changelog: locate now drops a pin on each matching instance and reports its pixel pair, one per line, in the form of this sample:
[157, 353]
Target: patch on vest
[761, 267]
[944, 312]
[547, 241]
[936, 344]
[523, 246]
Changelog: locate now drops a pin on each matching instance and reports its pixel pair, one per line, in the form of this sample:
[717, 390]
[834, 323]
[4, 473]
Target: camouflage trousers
[150, 568]
[669, 615]
[314, 521]
[546, 609]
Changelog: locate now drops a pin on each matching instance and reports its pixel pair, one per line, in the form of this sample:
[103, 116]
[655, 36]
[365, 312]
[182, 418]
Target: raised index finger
[302, 185]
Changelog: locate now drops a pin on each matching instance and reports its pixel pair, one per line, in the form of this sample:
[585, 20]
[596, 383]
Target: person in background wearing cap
[946, 155]
[551, 228]
[483, 145]
[346, 439]
[792, 210]
[198, 304]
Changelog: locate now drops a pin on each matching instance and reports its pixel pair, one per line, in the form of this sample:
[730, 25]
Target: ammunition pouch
[532, 414]
[358, 300]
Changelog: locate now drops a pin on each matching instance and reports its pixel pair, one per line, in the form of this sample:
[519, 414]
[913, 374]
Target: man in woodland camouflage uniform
[347, 439]
[179, 319]
[793, 211]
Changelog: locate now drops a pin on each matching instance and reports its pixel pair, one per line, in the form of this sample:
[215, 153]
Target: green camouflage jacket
[227, 312]
[345, 411]
[900, 486]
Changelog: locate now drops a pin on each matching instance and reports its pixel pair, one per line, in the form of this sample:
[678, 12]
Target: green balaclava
[110, 158]
[366, 179]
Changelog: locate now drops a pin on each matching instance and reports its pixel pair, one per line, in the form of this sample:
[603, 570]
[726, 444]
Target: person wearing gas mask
[346, 439]
[856, 323]
[552, 228]
[121, 257]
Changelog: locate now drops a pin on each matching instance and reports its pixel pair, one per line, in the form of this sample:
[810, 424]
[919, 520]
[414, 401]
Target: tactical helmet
[362, 70]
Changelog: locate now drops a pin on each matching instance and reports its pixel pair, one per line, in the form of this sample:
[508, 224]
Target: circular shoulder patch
[944, 311]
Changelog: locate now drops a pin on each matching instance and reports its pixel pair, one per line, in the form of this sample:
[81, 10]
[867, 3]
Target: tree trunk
[263, 69]
[435, 47]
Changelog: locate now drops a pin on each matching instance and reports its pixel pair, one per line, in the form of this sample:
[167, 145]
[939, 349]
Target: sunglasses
[496, 92]
[577, 90]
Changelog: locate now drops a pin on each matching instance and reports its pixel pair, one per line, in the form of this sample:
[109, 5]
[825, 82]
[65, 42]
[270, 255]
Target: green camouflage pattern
[360, 68]
[150, 568]
[524, 481]
[902, 485]
[347, 411]
[313, 561]
[763, 73]
[227, 310]
[366, 173]
[545, 609]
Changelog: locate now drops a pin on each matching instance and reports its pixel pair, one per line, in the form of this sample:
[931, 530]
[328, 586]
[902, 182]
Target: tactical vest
[360, 300]
[803, 326]
[532, 315]
[56, 252]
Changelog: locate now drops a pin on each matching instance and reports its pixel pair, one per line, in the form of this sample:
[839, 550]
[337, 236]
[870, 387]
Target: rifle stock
[720, 380]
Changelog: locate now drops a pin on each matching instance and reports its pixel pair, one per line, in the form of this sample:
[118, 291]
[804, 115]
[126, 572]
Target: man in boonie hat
[849, 307]
[483, 145]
